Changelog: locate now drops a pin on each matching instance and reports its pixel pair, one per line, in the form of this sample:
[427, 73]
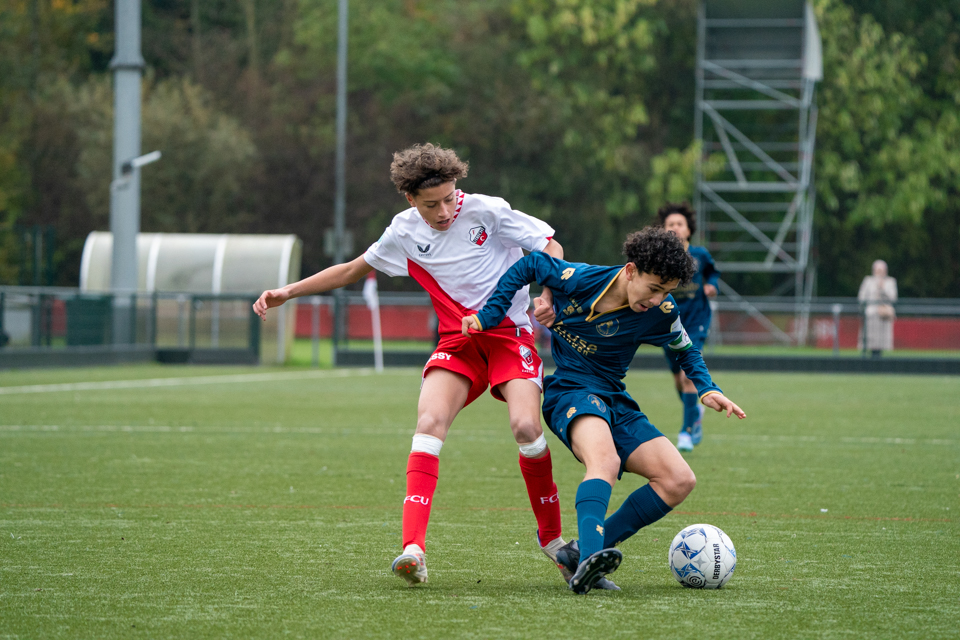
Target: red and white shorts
[488, 358]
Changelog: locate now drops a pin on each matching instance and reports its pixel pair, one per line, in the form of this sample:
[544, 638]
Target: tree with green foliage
[888, 158]
[577, 111]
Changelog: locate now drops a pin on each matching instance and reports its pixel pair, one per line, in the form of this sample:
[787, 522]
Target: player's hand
[543, 309]
[710, 291]
[468, 323]
[719, 402]
[268, 300]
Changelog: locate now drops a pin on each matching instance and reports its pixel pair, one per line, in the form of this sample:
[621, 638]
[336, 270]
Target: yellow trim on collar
[590, 316]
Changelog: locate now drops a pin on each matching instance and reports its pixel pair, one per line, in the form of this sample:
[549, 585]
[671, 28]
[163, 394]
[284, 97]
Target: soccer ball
[702, 557]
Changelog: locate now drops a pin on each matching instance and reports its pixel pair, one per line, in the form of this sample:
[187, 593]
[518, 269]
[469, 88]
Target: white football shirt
[460, 267]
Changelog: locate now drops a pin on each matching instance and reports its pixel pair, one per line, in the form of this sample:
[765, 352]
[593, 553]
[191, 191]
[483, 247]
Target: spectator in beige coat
[878, 294]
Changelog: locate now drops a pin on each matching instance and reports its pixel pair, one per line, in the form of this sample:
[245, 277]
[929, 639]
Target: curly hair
[658, 251]
[683, 209]
[425, 166]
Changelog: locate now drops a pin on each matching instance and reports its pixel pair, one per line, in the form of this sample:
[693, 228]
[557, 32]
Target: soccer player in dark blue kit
[695, 313]
[603, 315]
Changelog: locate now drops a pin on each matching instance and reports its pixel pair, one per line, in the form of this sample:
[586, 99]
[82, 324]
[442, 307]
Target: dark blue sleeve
[673, 336]
[691, 361]
[711, 275]
[537, 266]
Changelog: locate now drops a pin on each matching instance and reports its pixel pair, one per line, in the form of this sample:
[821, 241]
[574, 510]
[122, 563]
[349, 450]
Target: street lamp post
[127, 66]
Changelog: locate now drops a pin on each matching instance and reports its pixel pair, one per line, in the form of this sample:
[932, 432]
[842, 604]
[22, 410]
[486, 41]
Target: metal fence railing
[46, 319]
[60, 320]
[838, 326]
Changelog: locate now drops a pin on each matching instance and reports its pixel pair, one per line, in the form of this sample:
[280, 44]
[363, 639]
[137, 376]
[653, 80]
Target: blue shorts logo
[597, 402]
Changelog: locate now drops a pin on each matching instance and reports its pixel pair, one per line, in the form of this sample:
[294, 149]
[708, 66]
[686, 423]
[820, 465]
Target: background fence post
[193, 323]
[182, 320]
[863, 329]
[315, 331]
[836, 328]
[153, 320]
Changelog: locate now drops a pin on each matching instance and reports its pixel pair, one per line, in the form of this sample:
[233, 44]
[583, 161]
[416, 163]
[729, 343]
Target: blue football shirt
[596, 349]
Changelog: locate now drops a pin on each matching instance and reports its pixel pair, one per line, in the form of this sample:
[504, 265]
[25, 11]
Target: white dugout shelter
[202, 263]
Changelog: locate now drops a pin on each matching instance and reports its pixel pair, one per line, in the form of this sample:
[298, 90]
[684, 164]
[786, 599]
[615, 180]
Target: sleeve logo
[667, 306]
[567, 273]
[478, 235]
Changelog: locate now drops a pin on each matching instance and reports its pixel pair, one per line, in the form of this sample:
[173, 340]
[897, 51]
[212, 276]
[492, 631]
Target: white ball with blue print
[702, 557]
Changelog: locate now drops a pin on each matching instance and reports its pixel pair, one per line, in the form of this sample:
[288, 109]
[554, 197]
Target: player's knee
[605, 466]
[526, 429]
[612, 466]
[681, 483]
[432, 424]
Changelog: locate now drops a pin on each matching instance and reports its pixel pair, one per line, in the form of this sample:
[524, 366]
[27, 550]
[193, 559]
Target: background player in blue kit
[603, 315]
[695, 313]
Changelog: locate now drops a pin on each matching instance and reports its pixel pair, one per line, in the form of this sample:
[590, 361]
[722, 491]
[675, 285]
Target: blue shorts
[565, 401]
[668, 353]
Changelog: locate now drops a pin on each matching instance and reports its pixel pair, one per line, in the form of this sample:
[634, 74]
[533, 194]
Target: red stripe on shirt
[449, 312]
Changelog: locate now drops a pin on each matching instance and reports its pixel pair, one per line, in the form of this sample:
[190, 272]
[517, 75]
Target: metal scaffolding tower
[758, 63]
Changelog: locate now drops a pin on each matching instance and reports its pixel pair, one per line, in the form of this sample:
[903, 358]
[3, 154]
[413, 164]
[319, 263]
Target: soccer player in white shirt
[457, 245]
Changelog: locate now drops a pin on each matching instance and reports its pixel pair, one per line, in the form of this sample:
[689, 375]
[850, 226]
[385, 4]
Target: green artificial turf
[266, 503]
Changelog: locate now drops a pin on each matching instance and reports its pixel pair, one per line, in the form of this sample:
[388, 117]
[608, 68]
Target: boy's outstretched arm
[339, 275]
[691, 361]
[538, 267]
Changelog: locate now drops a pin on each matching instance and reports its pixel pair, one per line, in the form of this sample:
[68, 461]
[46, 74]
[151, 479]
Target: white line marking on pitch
[843, 439]
[211, 430]
[158, 428]
[405, 431]
[176, 382]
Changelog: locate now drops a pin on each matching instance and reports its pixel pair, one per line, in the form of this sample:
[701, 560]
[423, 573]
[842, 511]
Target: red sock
[422, 472]
[538, 474]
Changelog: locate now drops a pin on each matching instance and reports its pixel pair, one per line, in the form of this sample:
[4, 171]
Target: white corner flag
[373, 303]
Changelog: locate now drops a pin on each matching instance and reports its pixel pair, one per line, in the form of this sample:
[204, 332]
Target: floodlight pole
[340, 199]
[127, 66]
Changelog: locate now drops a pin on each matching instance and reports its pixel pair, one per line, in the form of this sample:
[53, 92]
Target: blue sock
[642, 507]
[690, 411]
[593, 496]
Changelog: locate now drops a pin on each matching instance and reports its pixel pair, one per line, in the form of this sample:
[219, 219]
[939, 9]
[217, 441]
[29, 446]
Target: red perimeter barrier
[926, 333]
[922, 334]
[404, 322]
[397, 322]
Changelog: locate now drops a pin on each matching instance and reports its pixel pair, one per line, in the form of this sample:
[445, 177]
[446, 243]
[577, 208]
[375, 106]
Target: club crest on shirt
[478, 235]
[424, 250]
[597, 402]
[667, 306]
[608, 328]
[527, 356]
